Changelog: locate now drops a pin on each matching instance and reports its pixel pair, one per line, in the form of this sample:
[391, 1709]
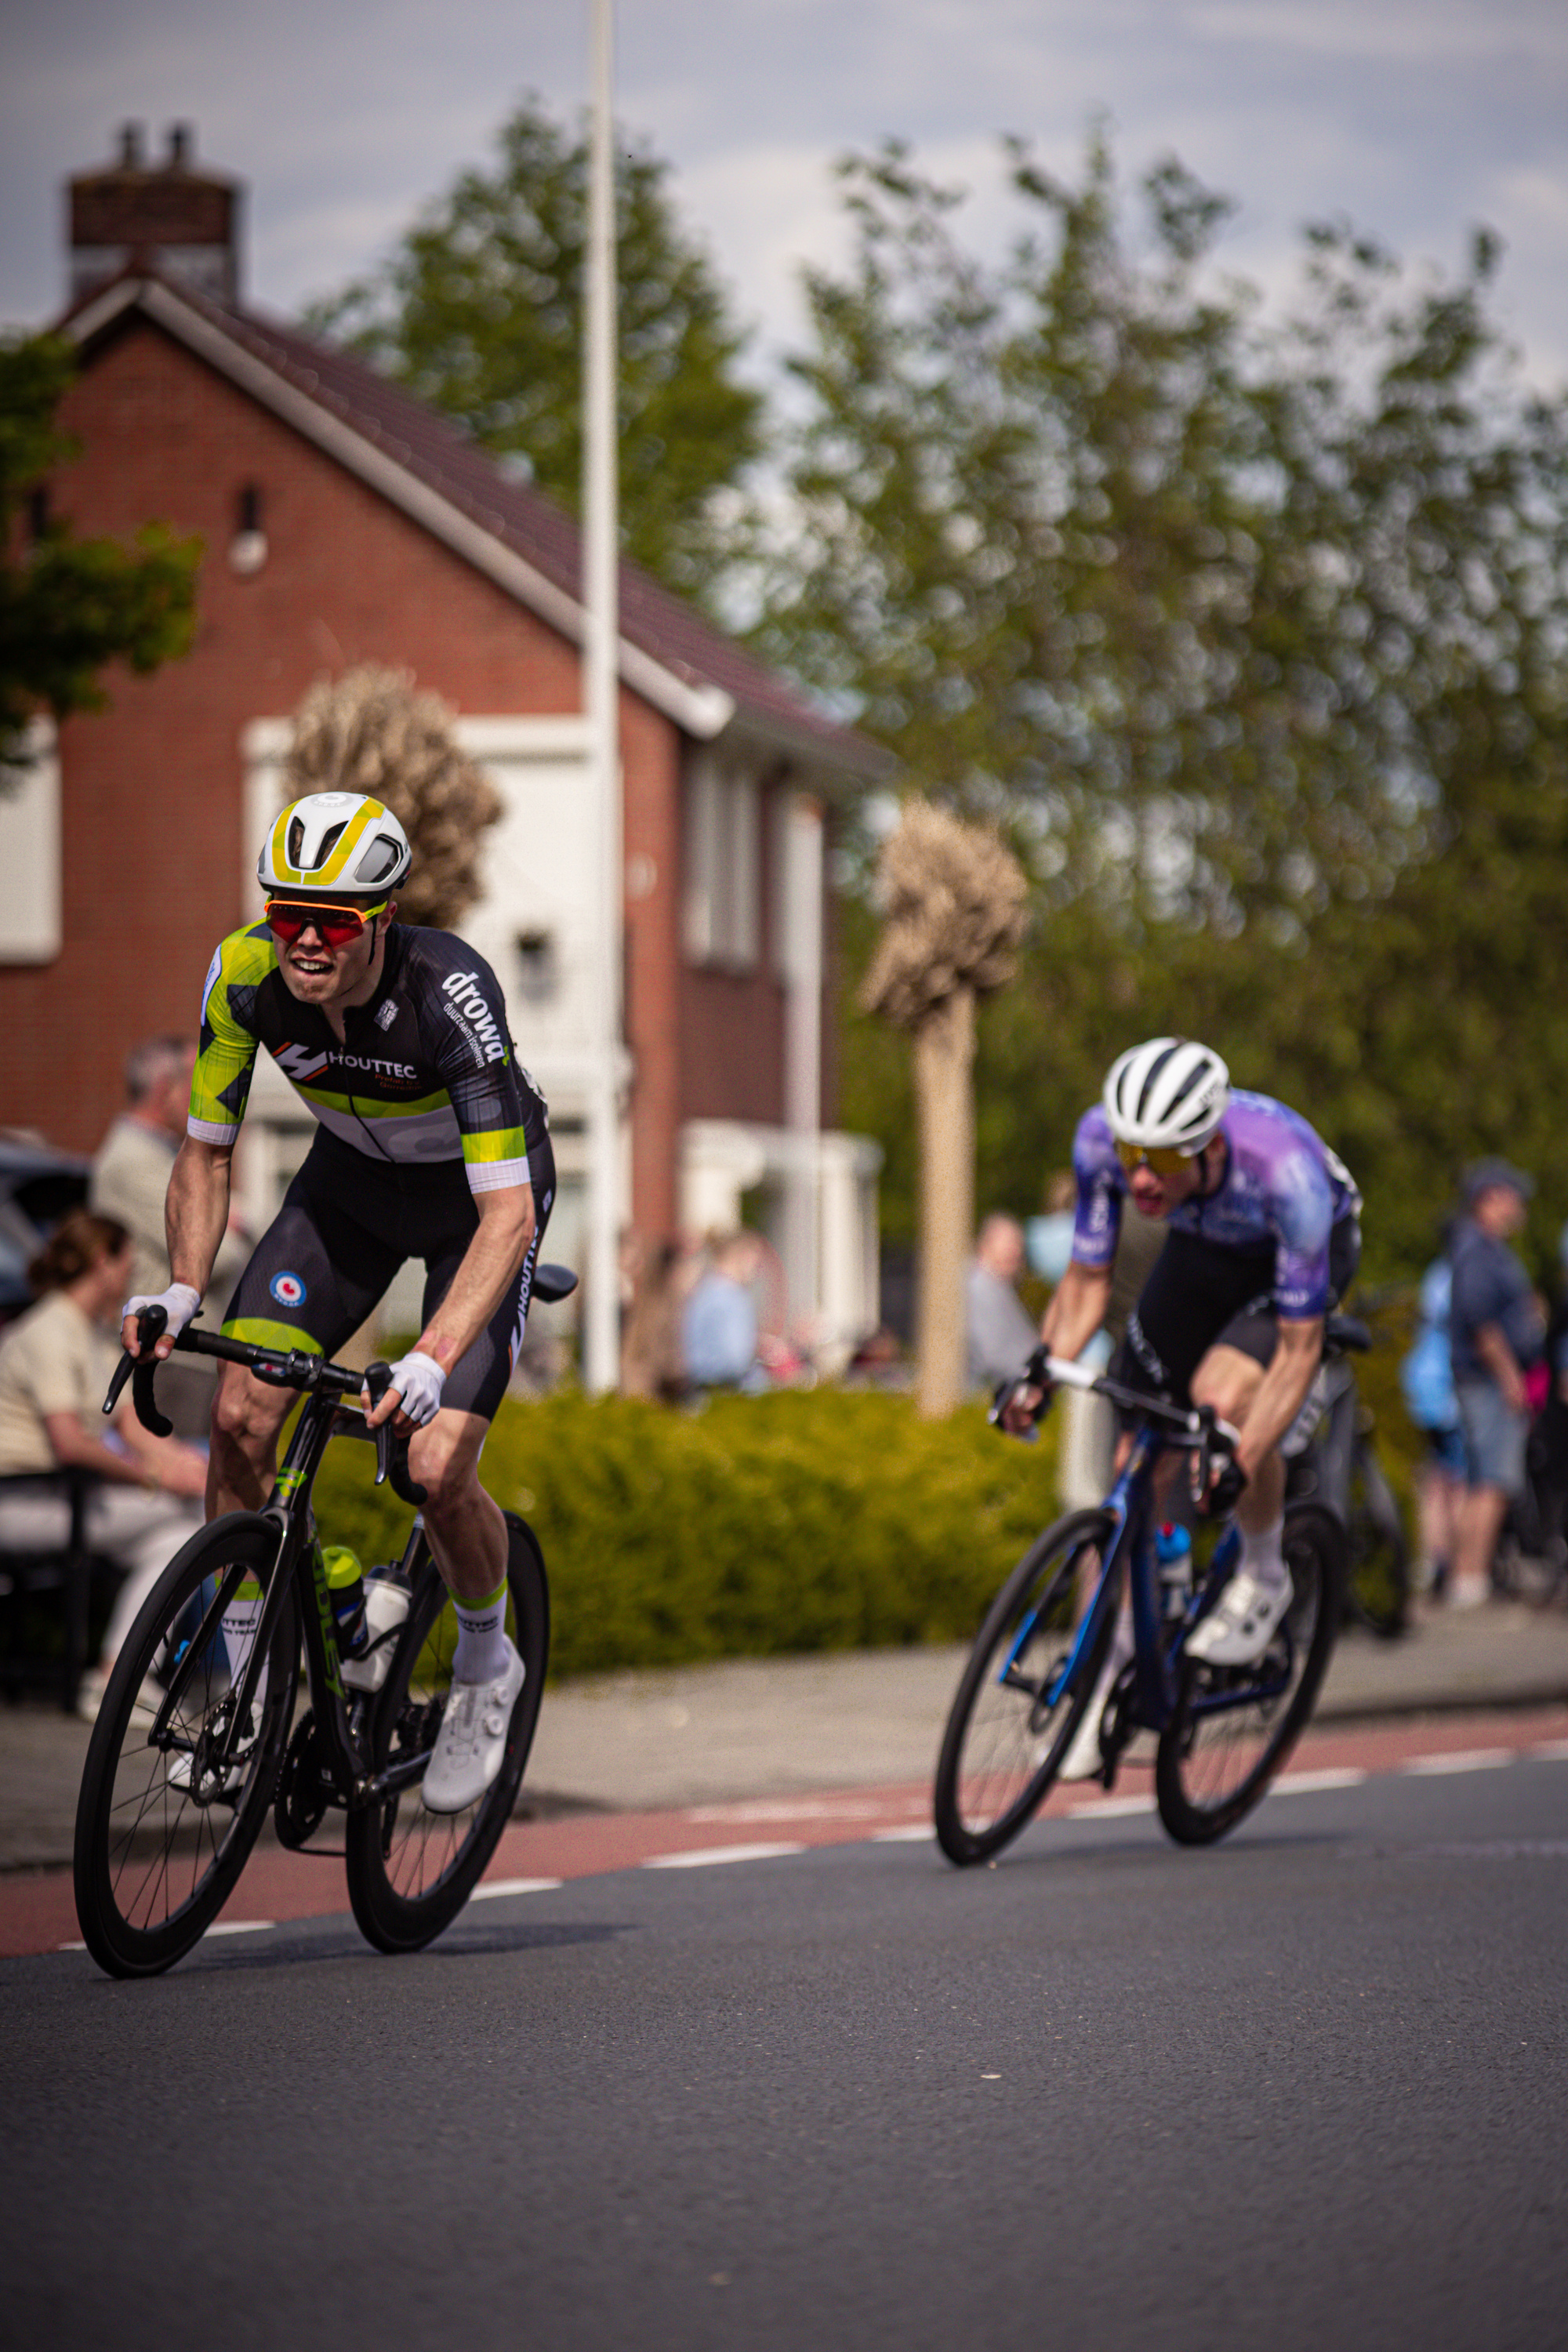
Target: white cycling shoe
[471, 1741]
[1236, 1629]
[1083, 1760]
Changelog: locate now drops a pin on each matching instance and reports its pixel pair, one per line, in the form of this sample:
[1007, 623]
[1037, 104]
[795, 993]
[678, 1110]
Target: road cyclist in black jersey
[431, 1143]
[1264, 1236]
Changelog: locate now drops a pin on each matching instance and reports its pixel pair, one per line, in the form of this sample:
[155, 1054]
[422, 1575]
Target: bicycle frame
[1156, 1660]
[327, 1413]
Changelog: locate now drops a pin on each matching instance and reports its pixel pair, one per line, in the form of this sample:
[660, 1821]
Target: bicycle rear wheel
[1010, 1723]
[1234, 1726]
[410, 1871]
[1378, 1580]
[160, 1836]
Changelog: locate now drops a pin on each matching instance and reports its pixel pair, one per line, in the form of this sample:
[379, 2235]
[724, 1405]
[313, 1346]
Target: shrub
[828, 1520]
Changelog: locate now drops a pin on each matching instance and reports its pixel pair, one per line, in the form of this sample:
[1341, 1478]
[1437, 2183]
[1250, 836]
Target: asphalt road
[1307, 2090]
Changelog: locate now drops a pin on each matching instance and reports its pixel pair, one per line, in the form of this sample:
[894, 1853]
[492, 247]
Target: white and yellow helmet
[333, 844]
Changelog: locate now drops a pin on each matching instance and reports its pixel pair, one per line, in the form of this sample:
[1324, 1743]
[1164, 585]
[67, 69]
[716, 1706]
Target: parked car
[37, 1186]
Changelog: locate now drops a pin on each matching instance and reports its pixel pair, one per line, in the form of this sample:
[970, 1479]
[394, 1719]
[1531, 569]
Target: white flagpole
[601, 1365]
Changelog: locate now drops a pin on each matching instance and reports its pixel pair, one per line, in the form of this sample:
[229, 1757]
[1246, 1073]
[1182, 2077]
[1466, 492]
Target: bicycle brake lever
[139, 1371]
[391, 1450]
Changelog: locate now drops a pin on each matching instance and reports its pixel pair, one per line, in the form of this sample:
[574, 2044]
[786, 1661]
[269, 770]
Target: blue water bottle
[1174, 1559]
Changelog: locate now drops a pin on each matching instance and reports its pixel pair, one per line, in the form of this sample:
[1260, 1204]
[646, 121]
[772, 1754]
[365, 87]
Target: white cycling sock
[480, 1653]
[1264, 1554]
[240, 1621]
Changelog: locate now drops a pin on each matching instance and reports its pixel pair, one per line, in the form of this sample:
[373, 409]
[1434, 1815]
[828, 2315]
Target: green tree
[70, 606]
[479, 310]
[1252, 631]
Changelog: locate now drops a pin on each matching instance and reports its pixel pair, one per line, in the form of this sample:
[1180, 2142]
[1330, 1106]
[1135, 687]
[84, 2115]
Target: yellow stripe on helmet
[347, 842]
[279, 855]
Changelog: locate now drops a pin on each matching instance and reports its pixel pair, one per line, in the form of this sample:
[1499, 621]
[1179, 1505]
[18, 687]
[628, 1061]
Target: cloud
[1415, 117]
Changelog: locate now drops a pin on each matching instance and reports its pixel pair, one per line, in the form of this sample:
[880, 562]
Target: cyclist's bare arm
[196, 1218]
[1076, 1311]
[491, 1261]
[1281, 1392]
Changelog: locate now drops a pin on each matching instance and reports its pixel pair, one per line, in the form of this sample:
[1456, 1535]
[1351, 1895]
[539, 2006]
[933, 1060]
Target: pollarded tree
[479, 310]
[955, 900]
[371, 732]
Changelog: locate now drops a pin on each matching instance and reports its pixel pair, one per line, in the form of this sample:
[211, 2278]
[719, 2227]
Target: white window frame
[32, 921]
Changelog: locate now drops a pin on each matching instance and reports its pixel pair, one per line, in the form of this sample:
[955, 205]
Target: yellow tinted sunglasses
[1163, 1159]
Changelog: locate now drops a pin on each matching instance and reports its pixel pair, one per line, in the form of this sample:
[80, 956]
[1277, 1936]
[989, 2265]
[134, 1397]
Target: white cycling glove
[420, 1379]
[179, 1303]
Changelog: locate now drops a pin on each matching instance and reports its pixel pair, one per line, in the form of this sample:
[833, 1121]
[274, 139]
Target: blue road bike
[1222, 1731]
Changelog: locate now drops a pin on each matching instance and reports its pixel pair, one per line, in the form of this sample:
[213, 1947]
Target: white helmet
[1168, 1094]
[333, 843]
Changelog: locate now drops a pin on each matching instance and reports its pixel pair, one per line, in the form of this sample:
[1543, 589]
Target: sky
[1418, 119]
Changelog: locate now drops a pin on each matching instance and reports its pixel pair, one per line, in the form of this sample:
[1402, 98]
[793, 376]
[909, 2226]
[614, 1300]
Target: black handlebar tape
[140, 1371]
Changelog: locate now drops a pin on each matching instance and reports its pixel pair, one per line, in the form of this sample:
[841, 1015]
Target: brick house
[343, 523]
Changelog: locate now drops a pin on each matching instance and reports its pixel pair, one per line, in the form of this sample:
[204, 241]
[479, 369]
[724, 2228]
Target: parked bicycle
[186, 1756]
[1222, 1731]
[1334, 1462]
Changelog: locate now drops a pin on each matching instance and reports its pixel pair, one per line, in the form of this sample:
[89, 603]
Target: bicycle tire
[1233, 1727]
[410, 1871]
[135, 1828]
[999, 1755]
[1377, 1584]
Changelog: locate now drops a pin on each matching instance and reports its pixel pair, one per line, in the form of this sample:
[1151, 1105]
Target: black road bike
[186, 1760]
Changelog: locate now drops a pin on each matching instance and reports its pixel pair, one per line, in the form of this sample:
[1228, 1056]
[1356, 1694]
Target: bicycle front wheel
[1012, 1718]
[411, 1871]
[162, 1833]
[1234, 1726]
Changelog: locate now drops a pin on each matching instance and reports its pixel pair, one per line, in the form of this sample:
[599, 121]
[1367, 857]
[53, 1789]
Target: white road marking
[912, 1833]
[1331, 1776]
[493, 1886]
[70, 1948]
[240, 1926]
[1106, 1809]
[799, 1809]
[1460, 1759]
[1550, 1752]
[702, 1856]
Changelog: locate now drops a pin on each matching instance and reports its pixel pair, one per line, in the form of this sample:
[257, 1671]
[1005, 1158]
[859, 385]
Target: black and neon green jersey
[425, 1071]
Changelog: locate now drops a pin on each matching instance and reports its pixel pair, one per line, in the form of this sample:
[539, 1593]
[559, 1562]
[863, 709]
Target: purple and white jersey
[1281, 1184]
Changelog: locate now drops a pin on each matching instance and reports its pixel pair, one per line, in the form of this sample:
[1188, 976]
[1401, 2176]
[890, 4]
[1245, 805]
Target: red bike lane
[38, 1911]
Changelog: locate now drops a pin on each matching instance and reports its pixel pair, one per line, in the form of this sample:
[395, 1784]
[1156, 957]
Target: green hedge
[827, 1520]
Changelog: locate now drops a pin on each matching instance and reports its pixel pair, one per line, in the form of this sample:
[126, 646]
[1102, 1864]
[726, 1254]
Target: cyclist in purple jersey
[1263, 1236]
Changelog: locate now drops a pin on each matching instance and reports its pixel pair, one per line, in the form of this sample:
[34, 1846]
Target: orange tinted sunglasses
[1161, 1159]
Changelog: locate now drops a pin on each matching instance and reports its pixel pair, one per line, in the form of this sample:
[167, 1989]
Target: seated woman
[56, 1362]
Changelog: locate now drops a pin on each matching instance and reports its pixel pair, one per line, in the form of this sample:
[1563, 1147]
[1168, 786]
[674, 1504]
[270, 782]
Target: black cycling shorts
[1202, 1295]
[347, 1224]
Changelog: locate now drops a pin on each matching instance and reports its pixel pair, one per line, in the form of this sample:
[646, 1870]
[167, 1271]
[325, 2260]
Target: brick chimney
[167, 212]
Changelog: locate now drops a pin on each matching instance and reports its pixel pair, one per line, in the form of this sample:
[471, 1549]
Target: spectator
[998, 1329]
[56, 1362]
[130, 1178]
[1495, 1331]
[719, 1328]
[1426, 1376]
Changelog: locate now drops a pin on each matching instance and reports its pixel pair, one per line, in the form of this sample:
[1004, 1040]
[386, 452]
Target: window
[538, 971]
[723, 878]
[30, 854]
